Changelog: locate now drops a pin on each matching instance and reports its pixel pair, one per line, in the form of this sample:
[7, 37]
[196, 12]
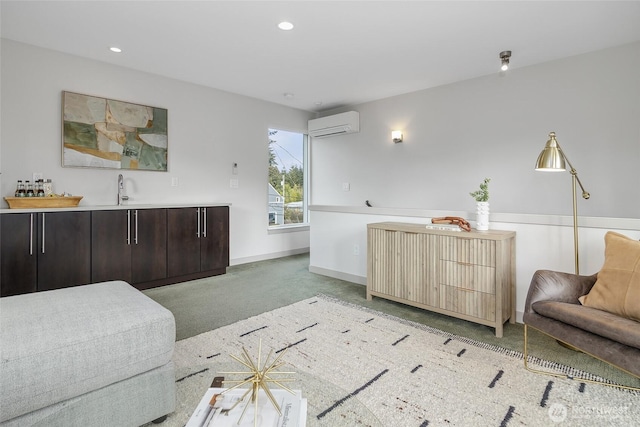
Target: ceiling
[339, 53]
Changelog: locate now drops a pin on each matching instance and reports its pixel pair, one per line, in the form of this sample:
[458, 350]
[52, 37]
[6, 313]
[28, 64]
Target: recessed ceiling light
[285, 26]
[115, 49]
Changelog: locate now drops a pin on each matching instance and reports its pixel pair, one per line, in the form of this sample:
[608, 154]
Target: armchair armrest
[547, 285]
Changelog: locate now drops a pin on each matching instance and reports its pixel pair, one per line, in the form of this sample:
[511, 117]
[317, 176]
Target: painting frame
[106, 133]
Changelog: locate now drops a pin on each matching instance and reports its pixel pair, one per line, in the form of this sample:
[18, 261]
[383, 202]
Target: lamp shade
[551, 158]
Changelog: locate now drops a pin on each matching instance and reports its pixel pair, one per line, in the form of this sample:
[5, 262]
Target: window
[287, 188]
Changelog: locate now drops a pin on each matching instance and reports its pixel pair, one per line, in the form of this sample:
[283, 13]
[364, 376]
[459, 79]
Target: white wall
[494, 126]
[208, 131]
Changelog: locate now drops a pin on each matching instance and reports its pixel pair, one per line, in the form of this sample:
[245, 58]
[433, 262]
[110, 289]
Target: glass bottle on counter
[40, 186]
[20, 192]
[30, 192]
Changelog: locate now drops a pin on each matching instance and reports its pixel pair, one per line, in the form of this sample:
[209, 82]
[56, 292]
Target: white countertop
[125, 205]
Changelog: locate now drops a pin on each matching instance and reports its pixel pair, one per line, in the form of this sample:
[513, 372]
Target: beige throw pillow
[617, 289]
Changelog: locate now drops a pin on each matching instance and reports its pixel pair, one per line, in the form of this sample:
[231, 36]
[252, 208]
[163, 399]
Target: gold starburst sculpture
[261, 375]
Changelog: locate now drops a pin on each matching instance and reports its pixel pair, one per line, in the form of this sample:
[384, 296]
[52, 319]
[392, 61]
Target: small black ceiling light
[504, 57]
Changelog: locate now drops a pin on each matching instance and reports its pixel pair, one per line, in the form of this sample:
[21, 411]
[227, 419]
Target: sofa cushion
[617, 289]
[60, 344]
[596, 321]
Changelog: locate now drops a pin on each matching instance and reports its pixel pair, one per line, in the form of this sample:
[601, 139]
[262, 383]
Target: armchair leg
[559, 375]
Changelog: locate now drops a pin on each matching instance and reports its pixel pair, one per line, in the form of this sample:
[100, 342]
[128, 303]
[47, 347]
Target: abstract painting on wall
[104, 133]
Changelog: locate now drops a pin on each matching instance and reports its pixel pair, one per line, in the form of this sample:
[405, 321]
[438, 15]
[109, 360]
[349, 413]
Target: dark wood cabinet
[184, 227]
[214, 246]
[64, 249]
[18, 256]
[43, 251]
[145, 247]
[111, 245]
[129, 245]
[149, 245]
[198, 240]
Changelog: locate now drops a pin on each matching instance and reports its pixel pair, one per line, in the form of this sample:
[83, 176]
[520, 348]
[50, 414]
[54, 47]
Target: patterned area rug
[359, 367]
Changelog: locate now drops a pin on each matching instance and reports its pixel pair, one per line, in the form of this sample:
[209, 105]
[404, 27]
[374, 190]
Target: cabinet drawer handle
[204, 222]
[128, 227]
[43, 233]
[31, 236]
[198, 232]
[135, 236]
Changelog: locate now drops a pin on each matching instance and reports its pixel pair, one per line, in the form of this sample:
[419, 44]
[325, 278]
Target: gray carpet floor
[250, 289]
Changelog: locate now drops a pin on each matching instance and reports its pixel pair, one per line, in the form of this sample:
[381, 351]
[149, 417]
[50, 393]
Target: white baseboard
[339, 275]
[264, 257]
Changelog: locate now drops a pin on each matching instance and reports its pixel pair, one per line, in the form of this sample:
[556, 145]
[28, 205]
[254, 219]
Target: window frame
[304, 225]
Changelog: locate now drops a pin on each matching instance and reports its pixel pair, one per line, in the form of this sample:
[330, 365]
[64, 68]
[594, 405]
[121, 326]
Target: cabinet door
[111, 235]
[416, 276]
[183, 241]
[381, 255]
[64, 249]
[149, 246]
[18, 254]
[214, 241]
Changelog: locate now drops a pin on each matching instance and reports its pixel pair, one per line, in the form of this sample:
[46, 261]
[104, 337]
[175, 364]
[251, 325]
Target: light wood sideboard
[468, 275]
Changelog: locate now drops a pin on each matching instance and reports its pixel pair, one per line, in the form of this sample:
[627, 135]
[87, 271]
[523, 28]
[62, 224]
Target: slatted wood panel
[415, 255]
[463, 301]
[470, 277]
[381, 261]
[466, 275]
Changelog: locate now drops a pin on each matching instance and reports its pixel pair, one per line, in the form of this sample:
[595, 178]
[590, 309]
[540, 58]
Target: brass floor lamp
[552, 159]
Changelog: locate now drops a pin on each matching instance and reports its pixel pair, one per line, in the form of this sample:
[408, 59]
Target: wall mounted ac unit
[338, 124]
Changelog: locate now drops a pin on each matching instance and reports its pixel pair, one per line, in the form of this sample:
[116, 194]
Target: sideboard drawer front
[468, 251]
[469, 303]
[468, 276]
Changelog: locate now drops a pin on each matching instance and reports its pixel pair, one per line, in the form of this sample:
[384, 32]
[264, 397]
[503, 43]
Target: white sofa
[92, 355]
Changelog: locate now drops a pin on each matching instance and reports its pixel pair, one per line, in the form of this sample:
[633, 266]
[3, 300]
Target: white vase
[482, 218]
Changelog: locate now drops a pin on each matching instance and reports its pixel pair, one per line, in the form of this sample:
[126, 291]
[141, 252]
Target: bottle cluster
[39, 188]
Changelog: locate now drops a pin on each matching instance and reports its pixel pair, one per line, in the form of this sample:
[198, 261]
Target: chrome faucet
[121, 197]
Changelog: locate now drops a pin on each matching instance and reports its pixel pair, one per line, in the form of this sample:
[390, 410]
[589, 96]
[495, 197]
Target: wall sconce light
[504, 57]
[396, 135]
